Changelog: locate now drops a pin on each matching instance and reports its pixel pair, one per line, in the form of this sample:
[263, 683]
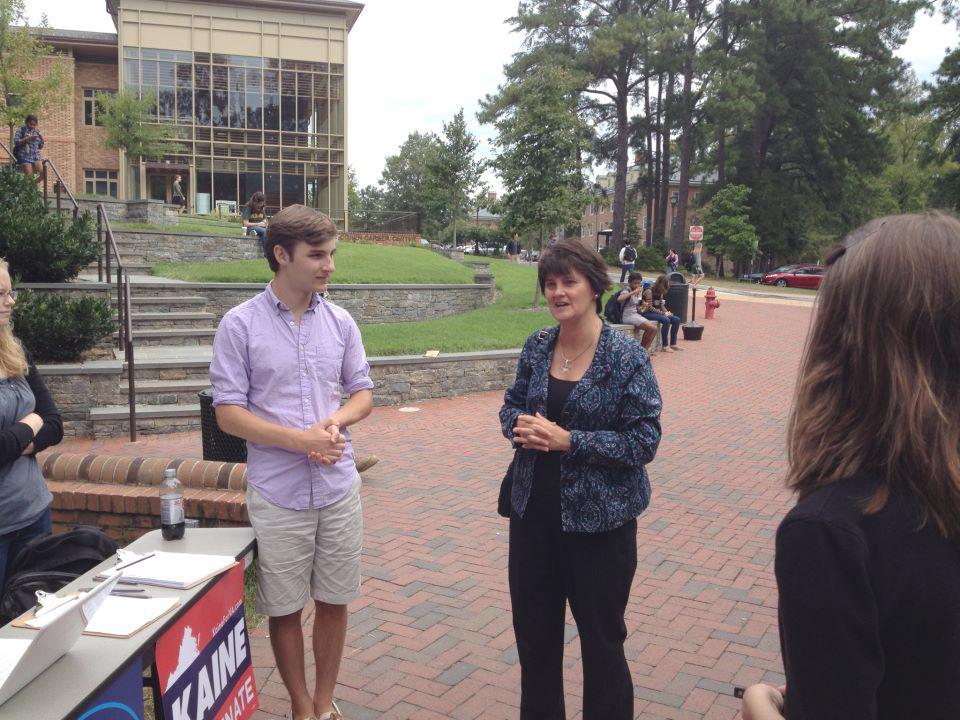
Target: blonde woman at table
[29, 422]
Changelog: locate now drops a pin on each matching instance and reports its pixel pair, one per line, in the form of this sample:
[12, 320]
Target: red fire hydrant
[711, 303]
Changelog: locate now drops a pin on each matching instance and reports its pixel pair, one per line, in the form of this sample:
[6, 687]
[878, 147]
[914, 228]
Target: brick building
[255, 88]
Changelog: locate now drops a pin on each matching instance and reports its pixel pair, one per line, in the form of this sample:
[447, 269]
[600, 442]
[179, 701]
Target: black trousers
[593, 571]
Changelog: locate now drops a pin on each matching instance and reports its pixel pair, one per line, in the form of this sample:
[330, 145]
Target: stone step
[171, 320]
[174, 336]
[167, 392]
[173, 303]
[133, 265]
[114, 420]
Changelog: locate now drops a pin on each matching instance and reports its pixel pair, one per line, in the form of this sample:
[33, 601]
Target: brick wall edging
[99, 469]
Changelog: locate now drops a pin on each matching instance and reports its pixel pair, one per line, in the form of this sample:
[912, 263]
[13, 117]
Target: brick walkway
[432, 637]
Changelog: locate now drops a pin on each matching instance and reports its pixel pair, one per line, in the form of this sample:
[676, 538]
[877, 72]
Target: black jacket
[16, 437]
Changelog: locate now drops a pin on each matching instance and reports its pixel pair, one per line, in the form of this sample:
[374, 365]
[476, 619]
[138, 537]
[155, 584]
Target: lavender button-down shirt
[290, 375]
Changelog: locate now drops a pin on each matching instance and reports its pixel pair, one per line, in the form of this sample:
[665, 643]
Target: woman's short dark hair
[567, 255]
[293, 224]
[29, 119]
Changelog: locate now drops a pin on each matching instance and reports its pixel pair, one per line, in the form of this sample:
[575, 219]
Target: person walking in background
[673, 261]
[627, 257]
[584, 418]
[655, 310]
[29, 423]
[27, 142]
[513, 249]
[867, 561]
[178, 197]
[634, 305]
[697, 263]
[280, 363]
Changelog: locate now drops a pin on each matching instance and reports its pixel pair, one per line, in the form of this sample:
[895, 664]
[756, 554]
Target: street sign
[696, 233]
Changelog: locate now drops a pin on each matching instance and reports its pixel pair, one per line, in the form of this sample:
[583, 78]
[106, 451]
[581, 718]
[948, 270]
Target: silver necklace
[567, 362]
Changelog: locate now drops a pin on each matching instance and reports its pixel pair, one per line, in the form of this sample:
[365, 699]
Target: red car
[798, 276]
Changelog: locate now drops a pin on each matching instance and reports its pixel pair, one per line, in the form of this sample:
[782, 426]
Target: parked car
[798, 276]
[757, 277]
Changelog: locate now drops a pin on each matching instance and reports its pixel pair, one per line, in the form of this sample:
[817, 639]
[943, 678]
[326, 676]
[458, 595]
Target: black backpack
[613, 309]
[629, 254]
[48, 563]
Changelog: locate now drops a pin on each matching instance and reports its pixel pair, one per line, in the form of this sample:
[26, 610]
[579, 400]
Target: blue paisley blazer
[613, 415]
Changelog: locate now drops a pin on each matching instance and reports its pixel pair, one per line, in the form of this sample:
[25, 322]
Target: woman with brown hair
[254, 219]
[584, 419]
[868, 562]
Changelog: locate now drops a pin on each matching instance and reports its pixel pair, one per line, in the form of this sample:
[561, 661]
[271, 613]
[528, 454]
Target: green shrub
[41, 245]
[649, 258]
[55, 329]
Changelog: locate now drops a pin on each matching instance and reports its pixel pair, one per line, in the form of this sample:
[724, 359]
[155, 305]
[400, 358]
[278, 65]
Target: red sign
[696, 232]
[203, 660]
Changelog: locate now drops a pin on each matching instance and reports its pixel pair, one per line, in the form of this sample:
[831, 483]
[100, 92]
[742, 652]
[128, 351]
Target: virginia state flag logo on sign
[203, 660]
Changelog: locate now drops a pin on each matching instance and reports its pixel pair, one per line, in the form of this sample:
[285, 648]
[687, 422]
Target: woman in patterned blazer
[584, 417]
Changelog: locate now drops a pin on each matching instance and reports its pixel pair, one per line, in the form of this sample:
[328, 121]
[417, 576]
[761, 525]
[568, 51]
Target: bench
[637, 334]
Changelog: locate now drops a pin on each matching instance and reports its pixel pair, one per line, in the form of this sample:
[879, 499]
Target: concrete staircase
[173, 337]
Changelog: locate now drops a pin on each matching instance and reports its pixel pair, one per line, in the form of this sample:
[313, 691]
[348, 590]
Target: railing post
[131, 367]
[56, 187]
[121, 308]
[100, 242]
[45, 199]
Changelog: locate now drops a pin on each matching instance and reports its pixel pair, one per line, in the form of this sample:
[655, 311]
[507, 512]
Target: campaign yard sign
[203, 660]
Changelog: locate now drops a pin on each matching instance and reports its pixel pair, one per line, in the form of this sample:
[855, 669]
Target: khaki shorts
[303, 553]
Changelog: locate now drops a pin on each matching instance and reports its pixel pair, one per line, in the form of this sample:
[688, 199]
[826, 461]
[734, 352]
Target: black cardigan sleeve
[52, 431]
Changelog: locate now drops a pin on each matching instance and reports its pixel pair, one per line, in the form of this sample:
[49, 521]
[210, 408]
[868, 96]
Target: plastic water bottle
[172, 521]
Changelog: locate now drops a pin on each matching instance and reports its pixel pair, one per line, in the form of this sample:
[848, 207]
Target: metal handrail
[59, 184]
[125, 331]
[7, 151]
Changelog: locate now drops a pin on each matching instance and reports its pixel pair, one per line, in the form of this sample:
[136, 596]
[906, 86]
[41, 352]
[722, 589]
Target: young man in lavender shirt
[279, 363]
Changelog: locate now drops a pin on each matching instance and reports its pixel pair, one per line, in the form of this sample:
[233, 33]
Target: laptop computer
[22, 659]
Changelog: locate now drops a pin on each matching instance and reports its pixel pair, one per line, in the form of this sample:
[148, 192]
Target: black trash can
[218, 445]
[677, 295]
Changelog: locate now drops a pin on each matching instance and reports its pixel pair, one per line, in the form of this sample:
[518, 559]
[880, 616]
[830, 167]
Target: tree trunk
[648, 196]
[686, 132]
[536, 287]
[620, 182]
[657, 181]
[664, 203]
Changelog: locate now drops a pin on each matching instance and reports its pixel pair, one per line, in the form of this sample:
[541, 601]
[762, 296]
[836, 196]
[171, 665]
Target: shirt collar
[281, 306]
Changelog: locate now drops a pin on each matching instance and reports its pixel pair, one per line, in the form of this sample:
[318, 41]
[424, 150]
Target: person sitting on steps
[254, 219]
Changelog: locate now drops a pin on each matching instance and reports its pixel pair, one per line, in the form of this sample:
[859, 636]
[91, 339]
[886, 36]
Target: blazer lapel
[541, 373]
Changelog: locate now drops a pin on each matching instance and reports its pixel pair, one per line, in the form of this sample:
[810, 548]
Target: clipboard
[113, 607]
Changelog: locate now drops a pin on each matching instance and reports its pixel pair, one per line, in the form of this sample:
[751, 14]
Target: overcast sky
[414, 63]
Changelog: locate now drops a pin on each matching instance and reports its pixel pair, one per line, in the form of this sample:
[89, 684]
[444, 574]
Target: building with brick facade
[597, 219]
[256, 90]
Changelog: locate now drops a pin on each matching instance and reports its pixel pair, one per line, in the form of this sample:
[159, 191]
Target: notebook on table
[21, 660]
[173, 570]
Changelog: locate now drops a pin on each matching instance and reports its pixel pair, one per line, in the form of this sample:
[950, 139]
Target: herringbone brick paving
[431, 636]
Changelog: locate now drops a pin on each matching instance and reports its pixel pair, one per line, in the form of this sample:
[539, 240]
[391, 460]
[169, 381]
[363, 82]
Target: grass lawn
[356, 263]
[505, 324]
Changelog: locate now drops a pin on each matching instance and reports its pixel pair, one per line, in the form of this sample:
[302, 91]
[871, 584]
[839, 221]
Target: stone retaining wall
[120, 494]
[154, 212]
[155, 246]
[367, 304]
[76, 387]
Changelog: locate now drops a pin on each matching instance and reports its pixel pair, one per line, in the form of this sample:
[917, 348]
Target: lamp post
[674, 199]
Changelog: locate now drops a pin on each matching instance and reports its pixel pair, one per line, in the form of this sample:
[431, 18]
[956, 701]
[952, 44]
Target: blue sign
[123, 700]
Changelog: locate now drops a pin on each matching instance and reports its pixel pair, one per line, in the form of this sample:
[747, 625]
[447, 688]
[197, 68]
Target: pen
[124, 566]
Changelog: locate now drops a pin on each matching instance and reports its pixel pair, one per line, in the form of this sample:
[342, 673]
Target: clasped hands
[325, 442]
[535, 432]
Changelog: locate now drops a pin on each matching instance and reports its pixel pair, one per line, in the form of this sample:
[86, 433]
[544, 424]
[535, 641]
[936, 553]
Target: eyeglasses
[4, 294]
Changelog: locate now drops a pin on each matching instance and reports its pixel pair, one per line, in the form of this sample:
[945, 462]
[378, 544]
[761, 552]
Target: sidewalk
[431, 636]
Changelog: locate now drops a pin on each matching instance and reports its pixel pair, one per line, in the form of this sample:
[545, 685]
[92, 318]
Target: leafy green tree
[453, 173]
[29, 81]
[126, 120]
[404, 180]
[943, 135]
[727, 226]
[41, 244]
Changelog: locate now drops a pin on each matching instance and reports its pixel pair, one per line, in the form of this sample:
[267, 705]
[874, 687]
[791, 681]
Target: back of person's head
[293, 224]
[661, 284]
[13, 361]
[257, 201]
[878, 390]
[566, 255]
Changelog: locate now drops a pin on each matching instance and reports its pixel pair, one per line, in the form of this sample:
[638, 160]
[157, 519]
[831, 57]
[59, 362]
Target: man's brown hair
[559, 259]
[878, 391]
[293, 224]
